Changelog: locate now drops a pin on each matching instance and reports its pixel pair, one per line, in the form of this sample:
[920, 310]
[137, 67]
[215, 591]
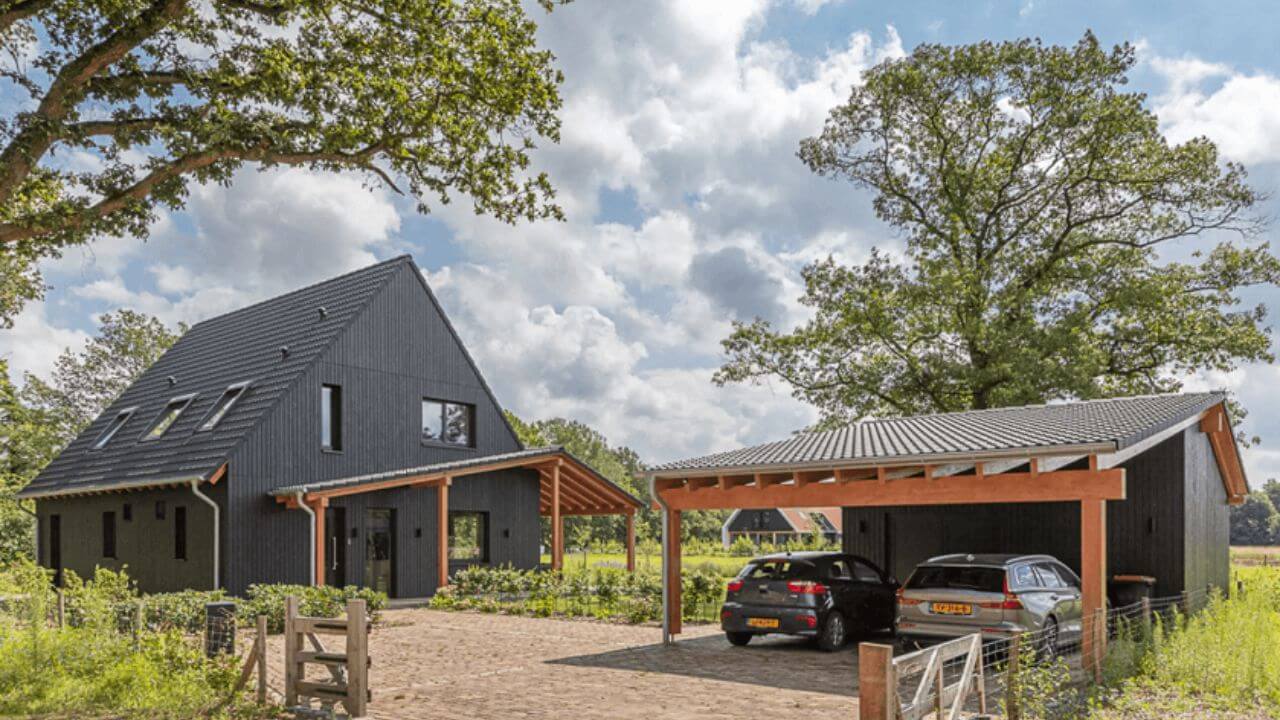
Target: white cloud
[811, 7]
[34, 343]
[1240, 112]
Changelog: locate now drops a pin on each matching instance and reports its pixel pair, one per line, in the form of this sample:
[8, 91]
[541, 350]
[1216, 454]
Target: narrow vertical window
[331, 417]
[180, 533]
[108, 534]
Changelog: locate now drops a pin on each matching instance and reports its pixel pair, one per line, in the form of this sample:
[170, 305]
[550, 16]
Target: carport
[1068, 453]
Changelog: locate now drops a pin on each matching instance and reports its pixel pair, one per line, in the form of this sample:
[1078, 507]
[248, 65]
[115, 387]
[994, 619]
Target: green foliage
[601, 593]
[1256, 521]
[91, 669]
[1035, 196]
[315, 601]
[433, 98]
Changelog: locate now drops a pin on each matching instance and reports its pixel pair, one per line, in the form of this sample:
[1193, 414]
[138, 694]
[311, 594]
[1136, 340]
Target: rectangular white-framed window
[113, 427]
[449, 423]
[223, 405]
[167, 417]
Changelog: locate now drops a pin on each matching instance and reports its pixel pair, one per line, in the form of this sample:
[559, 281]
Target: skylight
[224, 404]
[167, 417]
[116, 423]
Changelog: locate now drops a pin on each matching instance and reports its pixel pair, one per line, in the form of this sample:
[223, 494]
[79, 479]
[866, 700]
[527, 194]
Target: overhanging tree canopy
[1056, 244]
[132, 99]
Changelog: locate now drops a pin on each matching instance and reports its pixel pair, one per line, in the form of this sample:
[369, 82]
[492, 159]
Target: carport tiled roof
[1116, 422]
[243, 345]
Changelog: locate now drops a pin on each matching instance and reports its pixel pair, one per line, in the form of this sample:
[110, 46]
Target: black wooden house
[337, 434]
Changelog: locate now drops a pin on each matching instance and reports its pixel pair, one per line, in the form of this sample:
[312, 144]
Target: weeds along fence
[1041, 673]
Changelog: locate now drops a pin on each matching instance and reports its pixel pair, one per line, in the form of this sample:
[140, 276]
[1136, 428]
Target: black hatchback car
[822, 595]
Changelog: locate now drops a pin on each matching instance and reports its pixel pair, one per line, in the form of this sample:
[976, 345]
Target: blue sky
[686, 207]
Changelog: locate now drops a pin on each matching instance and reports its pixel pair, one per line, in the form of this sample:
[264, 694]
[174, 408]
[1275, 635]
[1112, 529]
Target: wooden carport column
[1093, 578]
[318, 506]
[631, 540]
[557, 522]
[442, 533]
[671, 550]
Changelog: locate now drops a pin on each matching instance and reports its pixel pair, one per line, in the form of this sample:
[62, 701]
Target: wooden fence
[882, 678]
[348, 681]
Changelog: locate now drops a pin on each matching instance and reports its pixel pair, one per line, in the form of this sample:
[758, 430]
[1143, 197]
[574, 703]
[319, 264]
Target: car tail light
[806, 587]
[1011, 601]
[734, 586]
[903, 600]
[726, 614]
[810, 620]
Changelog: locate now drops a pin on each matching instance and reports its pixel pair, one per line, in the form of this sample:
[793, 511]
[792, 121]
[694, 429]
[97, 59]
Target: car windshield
[778, 570]
[951, 577]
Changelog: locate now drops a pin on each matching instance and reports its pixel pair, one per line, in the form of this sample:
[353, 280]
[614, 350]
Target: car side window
[864, 572]
[840, 570]
[1069, 578]
[1023, 576]
[1048, 576]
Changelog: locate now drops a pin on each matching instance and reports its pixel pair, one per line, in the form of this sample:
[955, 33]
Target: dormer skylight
[223, 405]
[167, 417]
[113, 427]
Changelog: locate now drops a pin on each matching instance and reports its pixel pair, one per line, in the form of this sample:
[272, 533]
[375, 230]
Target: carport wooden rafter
[883, 485]
[566, 487]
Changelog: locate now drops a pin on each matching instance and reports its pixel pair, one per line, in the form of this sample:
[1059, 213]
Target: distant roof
[802, 518]
[1088, 426]
[243, 345]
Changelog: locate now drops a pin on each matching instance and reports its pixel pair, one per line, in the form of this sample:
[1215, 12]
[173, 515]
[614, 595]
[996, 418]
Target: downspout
[666, 552]
[195, 489]
[311, 558]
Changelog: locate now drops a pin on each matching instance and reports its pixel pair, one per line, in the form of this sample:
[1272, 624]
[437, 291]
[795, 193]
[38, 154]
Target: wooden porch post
[442, 533]
[631, 541]
[674, 587]
[557, 523]
[1093, 576]
[318, 507]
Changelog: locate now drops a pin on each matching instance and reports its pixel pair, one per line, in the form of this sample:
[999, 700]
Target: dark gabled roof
[529, 454]
[241, 345]
[1107, 425]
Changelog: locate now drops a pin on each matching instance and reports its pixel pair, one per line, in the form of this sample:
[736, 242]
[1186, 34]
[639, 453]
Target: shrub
[319, 601]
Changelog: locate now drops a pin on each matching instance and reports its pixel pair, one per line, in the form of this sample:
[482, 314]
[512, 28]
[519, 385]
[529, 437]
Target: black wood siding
[144, 544]
[1172, 525]
[398, 351]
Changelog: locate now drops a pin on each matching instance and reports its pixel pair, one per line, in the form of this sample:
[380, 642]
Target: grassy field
[718, 565]
[1255, 555]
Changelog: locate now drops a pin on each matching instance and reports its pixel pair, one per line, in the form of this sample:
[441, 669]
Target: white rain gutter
[311, 557]
[195, 489]
[667, 638]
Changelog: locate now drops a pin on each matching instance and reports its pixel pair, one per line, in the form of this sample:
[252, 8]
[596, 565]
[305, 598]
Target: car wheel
[738, 638]
[835, 631]
[1048, 639]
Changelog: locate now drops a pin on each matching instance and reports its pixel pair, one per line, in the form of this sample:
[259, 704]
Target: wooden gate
[348, 681]
[883, 679]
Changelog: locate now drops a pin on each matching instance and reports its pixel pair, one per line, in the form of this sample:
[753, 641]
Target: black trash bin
[1130, 589]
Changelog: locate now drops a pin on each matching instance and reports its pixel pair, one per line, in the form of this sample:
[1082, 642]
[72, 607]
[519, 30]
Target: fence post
[260, 650]
[62, 609]
[1012, 705]
[1146, 617]
[290, 652]
[357, 658]
[877, 694]
[1185, 602]
[137, 624]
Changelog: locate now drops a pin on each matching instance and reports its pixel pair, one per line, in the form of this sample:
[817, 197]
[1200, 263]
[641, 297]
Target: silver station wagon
[997, 595]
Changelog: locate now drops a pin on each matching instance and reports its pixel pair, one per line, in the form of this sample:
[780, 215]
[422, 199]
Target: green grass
[1222, 663]
[714, 564]
[1255, 555]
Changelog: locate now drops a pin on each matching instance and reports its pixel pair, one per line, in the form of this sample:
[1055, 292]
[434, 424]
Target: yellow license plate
[762, 622]
[952, 608]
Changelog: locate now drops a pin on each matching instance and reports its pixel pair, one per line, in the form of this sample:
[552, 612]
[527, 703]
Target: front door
[335, 546]
[379, 550]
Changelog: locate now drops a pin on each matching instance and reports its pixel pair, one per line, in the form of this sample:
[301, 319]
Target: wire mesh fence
[1055, 655]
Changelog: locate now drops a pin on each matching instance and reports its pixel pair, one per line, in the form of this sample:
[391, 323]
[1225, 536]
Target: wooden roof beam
[764, 480]
[724, 482]
[808, 477]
